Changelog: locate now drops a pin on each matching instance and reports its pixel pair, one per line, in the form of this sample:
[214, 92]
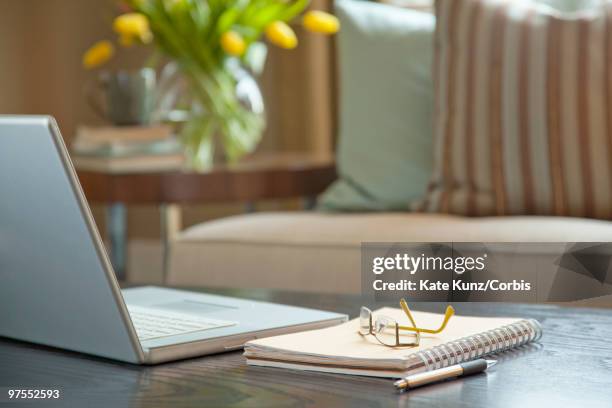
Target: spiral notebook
[341, 349]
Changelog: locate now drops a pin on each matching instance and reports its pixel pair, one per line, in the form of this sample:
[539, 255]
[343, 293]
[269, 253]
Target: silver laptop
[58, 288]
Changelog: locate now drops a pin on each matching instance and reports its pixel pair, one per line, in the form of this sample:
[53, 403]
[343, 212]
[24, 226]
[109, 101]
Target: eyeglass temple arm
[450, 311]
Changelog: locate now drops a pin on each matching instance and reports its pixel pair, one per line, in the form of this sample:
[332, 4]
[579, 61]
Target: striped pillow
[523, 110]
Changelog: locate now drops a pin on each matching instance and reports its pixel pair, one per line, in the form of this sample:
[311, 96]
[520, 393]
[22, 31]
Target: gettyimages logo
[413, 264]
[445, 272]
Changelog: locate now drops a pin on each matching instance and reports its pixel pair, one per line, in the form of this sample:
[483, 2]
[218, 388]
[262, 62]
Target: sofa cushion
[321, 252]
[386, 103]
[523, 108]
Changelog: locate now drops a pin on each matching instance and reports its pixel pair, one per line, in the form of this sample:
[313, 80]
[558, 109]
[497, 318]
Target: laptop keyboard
[151, 323]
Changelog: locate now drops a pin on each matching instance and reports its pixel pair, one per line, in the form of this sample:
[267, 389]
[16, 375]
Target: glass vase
[227, 117]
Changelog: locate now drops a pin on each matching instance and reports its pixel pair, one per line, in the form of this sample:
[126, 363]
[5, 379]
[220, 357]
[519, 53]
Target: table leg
[116, 231]
[171, 224]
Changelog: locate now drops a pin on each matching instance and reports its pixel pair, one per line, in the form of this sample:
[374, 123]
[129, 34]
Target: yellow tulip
[321, 22]
[233, 43]
[98, 54]
[131, 26]
[279, 33]
[126, 40]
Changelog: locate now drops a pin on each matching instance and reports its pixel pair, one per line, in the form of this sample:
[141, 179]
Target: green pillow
[386, 103]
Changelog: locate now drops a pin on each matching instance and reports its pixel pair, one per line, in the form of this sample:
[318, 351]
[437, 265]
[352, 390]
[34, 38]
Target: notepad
[341, 349]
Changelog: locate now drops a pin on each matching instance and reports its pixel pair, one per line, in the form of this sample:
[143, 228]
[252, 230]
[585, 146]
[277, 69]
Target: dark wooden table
[259, 177]
[571, 367]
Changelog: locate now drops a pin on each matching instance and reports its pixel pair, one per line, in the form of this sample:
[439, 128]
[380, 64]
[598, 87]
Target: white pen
[454, 371]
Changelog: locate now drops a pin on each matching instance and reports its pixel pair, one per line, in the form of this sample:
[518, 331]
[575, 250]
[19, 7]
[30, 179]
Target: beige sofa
[320, 252]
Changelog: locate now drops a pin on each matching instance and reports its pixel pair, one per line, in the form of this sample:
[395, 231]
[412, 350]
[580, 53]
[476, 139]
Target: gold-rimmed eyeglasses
[387, 330]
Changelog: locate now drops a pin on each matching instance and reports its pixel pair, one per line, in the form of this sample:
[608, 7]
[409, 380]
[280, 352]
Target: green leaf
[265, 15]
[227, 19]
[200, 14]
[294, 9]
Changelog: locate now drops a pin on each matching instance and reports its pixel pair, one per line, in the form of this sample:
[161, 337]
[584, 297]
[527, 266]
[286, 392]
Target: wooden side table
[260, 177]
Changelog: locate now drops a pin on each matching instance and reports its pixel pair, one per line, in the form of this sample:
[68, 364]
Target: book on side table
[129, 164]
[341, 349]
[122, 149]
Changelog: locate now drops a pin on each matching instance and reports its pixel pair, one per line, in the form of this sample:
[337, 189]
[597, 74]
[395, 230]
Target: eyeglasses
[387, 330]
